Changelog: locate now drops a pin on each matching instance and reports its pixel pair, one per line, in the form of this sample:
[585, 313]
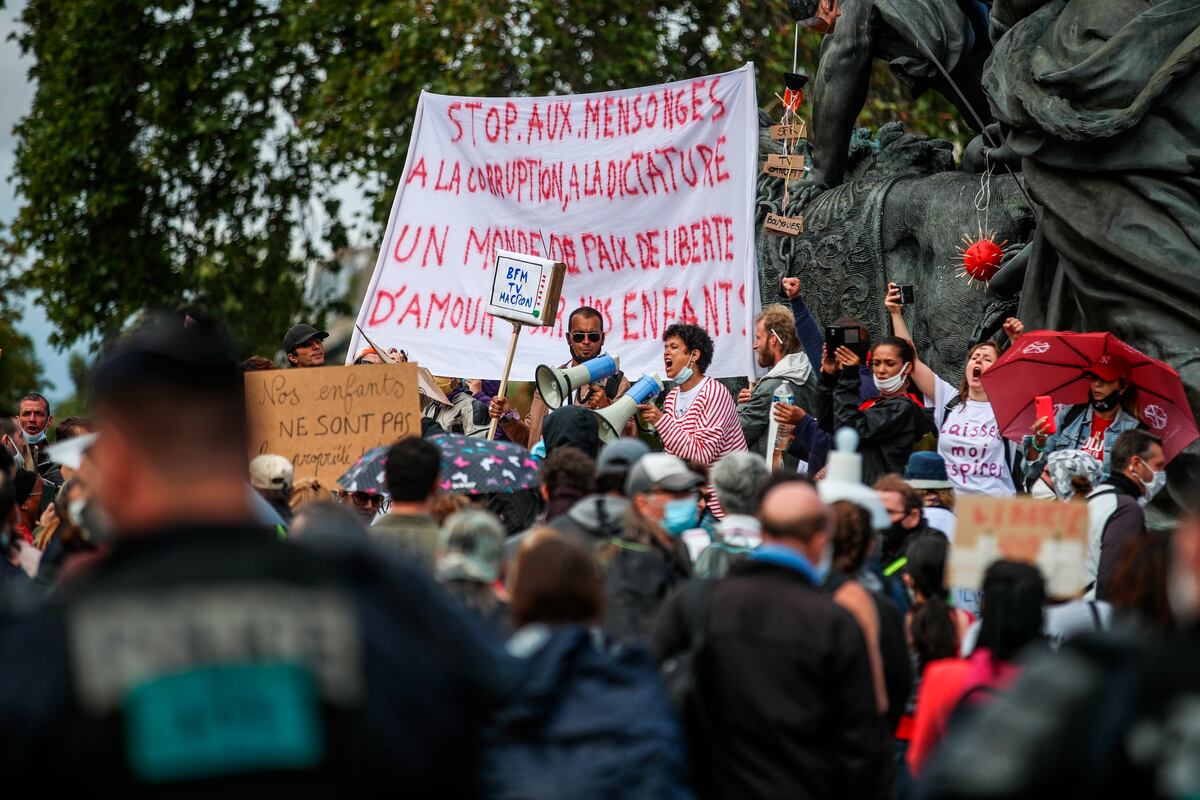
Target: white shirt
[942, 519]
[684, 399]
[970, 443]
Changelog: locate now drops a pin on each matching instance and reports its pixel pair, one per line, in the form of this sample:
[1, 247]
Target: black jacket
[785, 687]
[344, 672]
[887, 430]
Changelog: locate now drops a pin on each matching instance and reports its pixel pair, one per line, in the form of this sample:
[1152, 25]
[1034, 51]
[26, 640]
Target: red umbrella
[1055, 363]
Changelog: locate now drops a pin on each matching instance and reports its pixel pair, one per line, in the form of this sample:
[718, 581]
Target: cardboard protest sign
[525, 288]
[1049, 534]
[324, 419]
[645, 195]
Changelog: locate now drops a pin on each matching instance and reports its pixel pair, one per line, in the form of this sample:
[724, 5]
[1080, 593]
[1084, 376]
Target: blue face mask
[35, 438]
[680, 515]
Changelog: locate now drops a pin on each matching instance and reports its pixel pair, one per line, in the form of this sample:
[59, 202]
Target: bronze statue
[918, 38]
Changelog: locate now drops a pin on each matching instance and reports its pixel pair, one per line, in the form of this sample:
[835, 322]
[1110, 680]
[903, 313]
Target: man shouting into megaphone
[585, 338]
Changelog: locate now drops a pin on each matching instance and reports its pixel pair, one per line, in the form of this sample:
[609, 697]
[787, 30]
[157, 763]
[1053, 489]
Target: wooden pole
[512, 352]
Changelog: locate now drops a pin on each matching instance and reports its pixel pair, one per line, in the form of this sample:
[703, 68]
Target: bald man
[786, 677]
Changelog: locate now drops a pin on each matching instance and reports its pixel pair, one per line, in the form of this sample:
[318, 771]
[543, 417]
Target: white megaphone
[555, 385]
[613, 418]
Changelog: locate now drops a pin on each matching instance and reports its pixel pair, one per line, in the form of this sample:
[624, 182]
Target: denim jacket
[1074, 436]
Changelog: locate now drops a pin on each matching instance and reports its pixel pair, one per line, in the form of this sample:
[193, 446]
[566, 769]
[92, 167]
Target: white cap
[843, 479]
[271, 472]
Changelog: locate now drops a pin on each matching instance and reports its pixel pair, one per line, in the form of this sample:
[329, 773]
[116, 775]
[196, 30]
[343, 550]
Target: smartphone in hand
[1043, 406]
[907, 294]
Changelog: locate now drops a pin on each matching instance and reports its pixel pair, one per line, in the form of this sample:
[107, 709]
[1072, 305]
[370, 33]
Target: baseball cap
[470, 547]
[299, 334]
[660, 471]
[620, 456]
[927, 470]
[1109, 367]
[270, 472]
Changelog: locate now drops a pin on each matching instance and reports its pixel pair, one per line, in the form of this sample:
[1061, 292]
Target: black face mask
[1107, 403]
[893, 540]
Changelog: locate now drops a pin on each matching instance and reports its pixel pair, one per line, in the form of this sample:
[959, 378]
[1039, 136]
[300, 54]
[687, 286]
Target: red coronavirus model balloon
[981, 257]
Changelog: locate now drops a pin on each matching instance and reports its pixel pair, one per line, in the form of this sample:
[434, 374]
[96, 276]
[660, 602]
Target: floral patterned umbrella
[469, 466]
[477, 466]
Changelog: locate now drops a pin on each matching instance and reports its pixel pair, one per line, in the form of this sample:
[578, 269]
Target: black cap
[299, 334]
[169, 354]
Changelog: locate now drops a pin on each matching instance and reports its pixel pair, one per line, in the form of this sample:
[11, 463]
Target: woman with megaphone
[698, 421]
[585, 338]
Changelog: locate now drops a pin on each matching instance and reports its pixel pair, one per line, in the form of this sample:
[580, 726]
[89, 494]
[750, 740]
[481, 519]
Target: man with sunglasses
[585, 338]
[778, 350]
[365, 504]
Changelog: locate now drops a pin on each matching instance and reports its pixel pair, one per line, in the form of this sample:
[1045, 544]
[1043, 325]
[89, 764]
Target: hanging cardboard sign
[788, 226]
[797, 130]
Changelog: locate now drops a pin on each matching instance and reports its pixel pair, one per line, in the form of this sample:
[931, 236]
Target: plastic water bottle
[782, 436]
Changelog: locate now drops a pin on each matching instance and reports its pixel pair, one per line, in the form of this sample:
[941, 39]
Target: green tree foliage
[20, 371]
[185, 151]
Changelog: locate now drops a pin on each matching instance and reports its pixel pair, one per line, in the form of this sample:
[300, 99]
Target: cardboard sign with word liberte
[645, 194]
[525, 288]
[323, 419]
[1049, 534]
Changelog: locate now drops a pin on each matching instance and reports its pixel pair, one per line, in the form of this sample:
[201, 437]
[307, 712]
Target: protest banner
[1051, 535]
[646, 195]
[324, 419]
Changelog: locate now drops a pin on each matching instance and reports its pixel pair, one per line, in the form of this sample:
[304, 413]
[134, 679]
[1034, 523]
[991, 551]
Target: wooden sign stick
[512, 352]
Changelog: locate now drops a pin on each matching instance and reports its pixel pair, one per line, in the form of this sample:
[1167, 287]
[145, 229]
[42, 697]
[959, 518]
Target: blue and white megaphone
[555, 385]
[613, 418]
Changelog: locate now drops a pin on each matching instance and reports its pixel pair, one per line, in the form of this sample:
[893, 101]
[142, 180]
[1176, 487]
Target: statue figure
[899, 216]
[903, 32]
[1100, 100]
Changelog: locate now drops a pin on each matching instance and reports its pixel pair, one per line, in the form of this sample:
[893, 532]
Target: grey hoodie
[755, 412]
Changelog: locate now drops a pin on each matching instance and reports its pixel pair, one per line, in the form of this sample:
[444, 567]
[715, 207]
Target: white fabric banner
[645, 194]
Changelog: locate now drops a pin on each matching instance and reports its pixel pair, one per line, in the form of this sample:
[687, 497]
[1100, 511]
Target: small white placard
[525, 288]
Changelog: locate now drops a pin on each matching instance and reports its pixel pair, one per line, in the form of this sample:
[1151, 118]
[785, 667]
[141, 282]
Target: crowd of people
[739, 598]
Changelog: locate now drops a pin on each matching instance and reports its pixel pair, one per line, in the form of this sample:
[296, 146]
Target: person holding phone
[888, 425]
[978, 459]
[1093, 426]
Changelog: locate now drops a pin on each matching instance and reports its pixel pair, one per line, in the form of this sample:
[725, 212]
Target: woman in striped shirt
[698, 421]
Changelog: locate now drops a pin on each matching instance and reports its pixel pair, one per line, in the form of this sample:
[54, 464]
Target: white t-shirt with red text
[970, 443]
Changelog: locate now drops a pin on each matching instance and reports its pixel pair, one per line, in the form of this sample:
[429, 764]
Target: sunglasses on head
[579, 336]
[363, 499]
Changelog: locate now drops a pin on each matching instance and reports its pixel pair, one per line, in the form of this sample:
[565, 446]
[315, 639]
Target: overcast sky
[16, 93]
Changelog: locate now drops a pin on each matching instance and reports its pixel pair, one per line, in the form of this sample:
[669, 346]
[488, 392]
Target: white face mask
[1149, 490]
[1041, 491]
[893, 383]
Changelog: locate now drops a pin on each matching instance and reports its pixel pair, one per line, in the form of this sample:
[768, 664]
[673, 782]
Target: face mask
[35, 438]
[19, 459]
[1157, 482]
[684, 375]
[446, 385]
[1107, 403]
[1041, 491]
[893, 383]
[680, 515]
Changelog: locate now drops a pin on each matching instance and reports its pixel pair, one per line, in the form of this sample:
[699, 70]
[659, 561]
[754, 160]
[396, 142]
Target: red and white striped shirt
[707, 431]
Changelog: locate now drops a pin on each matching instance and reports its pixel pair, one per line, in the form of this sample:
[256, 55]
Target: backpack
[716, 560]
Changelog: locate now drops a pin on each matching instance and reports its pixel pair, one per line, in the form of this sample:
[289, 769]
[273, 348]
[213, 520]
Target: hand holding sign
[525, 291]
